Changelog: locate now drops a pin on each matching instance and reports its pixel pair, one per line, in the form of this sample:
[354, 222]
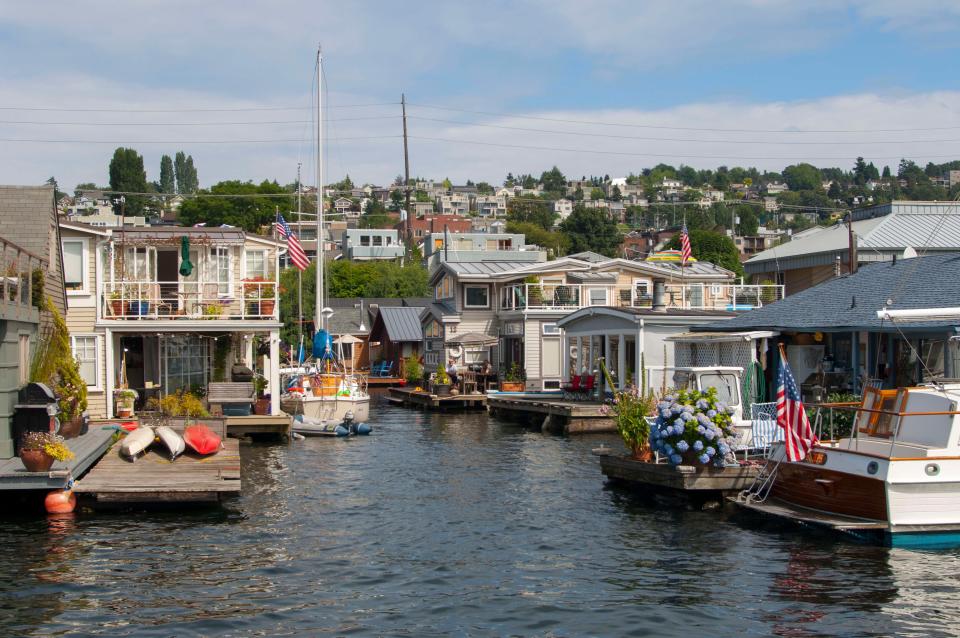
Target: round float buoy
[60, 502]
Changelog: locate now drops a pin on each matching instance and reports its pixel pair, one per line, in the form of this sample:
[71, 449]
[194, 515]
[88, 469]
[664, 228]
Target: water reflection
[452, 524]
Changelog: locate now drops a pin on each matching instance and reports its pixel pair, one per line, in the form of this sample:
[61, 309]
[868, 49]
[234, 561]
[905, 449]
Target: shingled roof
[851, 302]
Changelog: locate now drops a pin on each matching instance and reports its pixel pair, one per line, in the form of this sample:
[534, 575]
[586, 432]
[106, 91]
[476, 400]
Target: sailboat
[330, 392]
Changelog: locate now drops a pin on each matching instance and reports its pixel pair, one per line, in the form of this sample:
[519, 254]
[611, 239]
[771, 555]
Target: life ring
[456, 352]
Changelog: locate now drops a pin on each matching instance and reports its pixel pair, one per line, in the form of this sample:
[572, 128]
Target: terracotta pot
[70, 429]
[262, 406]
[644, 454]
[512, 386]
[36, 460]
[117, 307]
[266, 307]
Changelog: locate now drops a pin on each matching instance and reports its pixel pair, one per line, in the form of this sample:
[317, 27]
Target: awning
[473, 339]
[717, 337]
[344, 339]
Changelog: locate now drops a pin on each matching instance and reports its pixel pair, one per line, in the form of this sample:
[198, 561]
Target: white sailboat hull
[330, 409]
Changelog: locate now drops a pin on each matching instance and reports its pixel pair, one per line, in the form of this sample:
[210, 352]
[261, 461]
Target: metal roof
[172, 234]
[593, 276]
[402, 323]
[851, 302]
[483, 267]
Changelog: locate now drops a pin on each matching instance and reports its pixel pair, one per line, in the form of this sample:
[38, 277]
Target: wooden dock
[259, 425]
[409, 397]
[551, 414]
[87, 448]
[717, 481]
[384, 382]
[154, 480]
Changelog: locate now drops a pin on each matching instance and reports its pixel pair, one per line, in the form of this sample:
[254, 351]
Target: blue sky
[761, 65]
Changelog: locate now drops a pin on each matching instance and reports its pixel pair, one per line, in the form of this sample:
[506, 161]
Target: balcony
[248, 300]
[569, 297]
[16, 282]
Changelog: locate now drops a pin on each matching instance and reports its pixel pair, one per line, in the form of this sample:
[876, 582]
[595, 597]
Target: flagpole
[299, 272]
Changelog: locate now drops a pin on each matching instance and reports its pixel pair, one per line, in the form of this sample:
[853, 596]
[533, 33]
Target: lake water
[453, 525]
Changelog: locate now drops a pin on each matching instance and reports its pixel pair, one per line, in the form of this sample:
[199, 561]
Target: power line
[342, 119]
[667, 155]
[199, 110]
[679, 139]
[683, 128]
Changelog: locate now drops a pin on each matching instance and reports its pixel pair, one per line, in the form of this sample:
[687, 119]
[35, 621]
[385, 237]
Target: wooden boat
[137, 441]
[895, 480]
[201, 439]
[172, 440]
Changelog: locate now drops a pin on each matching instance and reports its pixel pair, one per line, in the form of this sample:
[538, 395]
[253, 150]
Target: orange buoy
[60, 502]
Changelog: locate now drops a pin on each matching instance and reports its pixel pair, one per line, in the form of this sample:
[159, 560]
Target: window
[551, 329]
[726, 385]
[256, 263]
[218, 270]
[504, 244]
[476, 297]
[377, 240]
[186, 360]
[364, 240]
[444, 288]
[74, 265]
[87, 353]
[433, 329]
[598, 296]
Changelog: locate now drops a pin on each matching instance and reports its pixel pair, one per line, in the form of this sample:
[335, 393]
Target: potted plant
[694, 428]
[629, 410]
[262, 405]
[412, 370]
[514, 379]
[212, 311]
[183, 407]
[534, 291]
[39, 450]
[441, 381]
[125, 400]
[116, 302]
[71, 412]
[260, 294]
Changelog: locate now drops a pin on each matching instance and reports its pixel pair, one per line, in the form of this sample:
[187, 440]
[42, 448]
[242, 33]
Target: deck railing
[179, 300]
[16, 278]
[529, 296]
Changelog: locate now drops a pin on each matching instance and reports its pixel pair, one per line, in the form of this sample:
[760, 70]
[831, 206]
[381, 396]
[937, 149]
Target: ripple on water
[453, 524]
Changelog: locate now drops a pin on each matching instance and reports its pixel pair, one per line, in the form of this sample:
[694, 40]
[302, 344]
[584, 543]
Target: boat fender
[341, 431]
[60, 501]
[296, 436]
[363, 428]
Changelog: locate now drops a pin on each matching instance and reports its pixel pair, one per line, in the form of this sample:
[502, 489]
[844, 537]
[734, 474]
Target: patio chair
[766, 432]
[376, 368]
[562, 296]
[572, 388]
[159, 303]
[385, 369]
[587, 387]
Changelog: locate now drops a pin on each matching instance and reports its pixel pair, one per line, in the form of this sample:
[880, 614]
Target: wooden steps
[154, 479]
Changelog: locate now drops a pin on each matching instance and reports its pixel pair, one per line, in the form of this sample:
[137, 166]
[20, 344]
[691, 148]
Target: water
[453, 525]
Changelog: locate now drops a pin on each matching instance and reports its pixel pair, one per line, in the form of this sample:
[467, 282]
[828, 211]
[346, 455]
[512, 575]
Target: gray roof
[594, 276]
[484, 267]
[589, 255]
[933, 225]
[851, 302]
[28, 218]
[402, 324]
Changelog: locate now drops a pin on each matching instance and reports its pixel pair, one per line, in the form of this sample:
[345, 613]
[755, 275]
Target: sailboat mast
[318, 312]
[299, 272]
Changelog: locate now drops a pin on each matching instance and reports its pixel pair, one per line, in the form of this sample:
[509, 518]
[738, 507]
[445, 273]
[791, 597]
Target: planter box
[441, 389]
[138, 308]
[512, 386]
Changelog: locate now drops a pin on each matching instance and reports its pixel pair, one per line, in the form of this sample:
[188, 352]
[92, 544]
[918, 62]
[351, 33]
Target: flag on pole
[797, 433]
[297, 256]
[684, 245]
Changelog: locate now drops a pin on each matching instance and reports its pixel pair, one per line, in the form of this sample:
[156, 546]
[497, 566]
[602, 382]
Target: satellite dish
[909, 252]
[326, 312]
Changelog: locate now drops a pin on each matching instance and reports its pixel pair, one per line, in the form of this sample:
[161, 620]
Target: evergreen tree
[128, 175]
[190, 176]
[179, 170]
[167, 180]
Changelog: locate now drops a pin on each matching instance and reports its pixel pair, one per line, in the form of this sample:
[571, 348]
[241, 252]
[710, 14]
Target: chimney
[659, 302]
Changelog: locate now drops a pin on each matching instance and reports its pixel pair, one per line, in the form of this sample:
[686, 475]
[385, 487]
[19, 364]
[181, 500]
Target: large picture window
[476, 297]
[186, 361]
[256, 263]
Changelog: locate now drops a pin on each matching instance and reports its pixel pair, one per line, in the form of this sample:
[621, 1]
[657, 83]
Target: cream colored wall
[82, 321]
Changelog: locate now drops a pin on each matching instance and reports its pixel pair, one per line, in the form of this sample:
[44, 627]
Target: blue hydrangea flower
[704, 459]
[721, 406]
[682, 446]
[688, 408]
[698, 445]
[711, 413]
[676, 459]
[724, 449]
[668, 448]
[665, 413]
[710, 451]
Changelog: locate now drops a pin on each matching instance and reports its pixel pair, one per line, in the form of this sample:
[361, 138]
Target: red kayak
[201, 439]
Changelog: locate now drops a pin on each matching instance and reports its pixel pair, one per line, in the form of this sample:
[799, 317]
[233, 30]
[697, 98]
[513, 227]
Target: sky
[602, 87]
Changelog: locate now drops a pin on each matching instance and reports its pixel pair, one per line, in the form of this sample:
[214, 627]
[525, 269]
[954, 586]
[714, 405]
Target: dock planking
[552, 414]
[411, 397]
[684, 478]
[154, 479]
[258, 424]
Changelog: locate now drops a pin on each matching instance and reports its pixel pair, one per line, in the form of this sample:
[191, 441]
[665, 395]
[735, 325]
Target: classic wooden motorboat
[896, 479]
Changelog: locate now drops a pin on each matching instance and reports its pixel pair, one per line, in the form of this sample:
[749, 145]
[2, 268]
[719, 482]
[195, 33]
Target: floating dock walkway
[87, 448]
[153, 479]
[551, 414]
[700, 481]
[409, 397]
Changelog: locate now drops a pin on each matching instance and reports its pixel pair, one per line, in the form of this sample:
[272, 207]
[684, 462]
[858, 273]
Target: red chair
[587, 388]
[572, 388]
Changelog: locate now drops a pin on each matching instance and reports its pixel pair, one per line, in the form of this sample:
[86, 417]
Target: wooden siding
[831, 491]
[82, 321]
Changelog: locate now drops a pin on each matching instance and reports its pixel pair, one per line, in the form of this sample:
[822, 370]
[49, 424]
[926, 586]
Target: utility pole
[851, 246]
[406, 165]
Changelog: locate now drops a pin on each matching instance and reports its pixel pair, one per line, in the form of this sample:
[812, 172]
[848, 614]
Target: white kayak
[170, 438]
[137, 441]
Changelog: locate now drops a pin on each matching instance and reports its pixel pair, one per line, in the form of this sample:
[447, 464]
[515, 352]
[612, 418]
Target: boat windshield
[725, 383]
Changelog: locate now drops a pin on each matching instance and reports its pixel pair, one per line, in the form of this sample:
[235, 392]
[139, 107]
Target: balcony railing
[179, 300]
[16, 280]
[727, 297]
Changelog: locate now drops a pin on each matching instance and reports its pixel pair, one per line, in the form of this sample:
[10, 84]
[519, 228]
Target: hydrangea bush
[693, 427]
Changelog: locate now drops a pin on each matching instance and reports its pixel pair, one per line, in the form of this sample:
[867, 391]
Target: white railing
[177, 300]
[686, 296]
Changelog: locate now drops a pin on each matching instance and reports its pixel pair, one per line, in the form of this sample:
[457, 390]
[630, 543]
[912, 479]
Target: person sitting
[452, 373]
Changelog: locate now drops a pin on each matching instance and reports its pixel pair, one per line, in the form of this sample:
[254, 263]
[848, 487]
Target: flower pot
[266, 307]
[512, 386]
[138, 308]
[71, 429]
[643, 454]
[262, 406]
[116, 306]
[441, 389]
[36, 460]
[124, 412]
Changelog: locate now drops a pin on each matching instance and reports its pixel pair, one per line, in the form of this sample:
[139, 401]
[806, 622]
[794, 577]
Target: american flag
[684, 245]
[297, 256]
[797, 433]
